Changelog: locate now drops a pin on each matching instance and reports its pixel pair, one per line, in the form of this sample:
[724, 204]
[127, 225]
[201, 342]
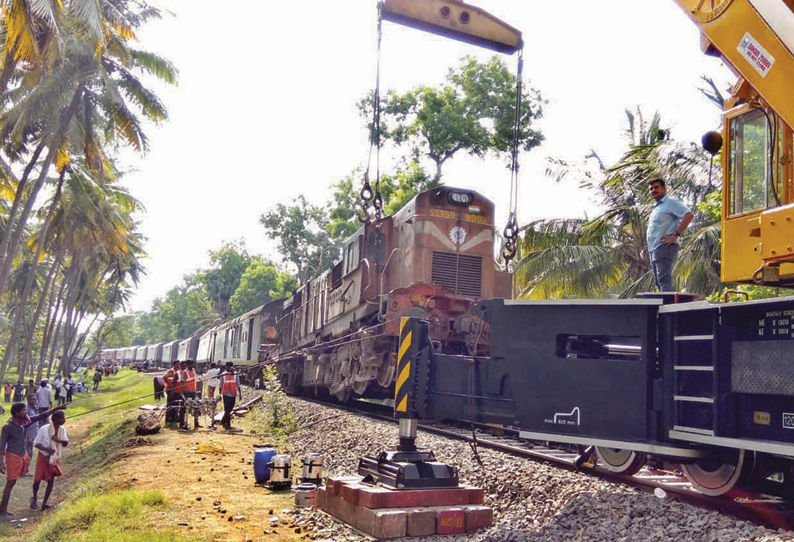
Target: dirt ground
[208, 490]
[192, 484]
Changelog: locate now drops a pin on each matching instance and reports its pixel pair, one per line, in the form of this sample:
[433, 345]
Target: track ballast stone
[532, 501]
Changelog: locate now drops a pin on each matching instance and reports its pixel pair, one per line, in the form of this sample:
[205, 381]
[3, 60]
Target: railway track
[664, 482]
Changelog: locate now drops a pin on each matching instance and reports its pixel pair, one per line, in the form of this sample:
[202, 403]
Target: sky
[265, 108]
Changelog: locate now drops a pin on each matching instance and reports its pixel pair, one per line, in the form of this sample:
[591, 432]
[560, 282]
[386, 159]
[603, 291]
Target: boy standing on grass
[14, 459]
[49, 441]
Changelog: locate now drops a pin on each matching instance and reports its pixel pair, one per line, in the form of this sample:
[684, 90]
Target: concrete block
[381, 523]
[420, 522]
[478, 517]
[451, 520]
[321, 493]
[341, 509]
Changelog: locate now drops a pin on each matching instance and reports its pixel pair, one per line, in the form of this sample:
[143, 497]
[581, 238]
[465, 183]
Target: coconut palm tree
[607, 255]
[83, 102]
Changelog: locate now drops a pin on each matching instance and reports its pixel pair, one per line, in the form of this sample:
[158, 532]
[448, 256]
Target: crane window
[751, 185]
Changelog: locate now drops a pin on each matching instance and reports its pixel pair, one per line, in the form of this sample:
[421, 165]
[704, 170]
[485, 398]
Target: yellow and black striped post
[414, 338]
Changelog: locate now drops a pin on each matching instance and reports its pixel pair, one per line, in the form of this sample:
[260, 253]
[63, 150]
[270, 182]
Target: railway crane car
[704, 384]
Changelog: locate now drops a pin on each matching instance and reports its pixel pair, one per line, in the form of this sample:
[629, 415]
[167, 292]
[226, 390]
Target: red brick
[478, 517]
[451, 521]
[332, 483]
[349, 492]
[377, 497]
[421, 522]
[476, 495]
[382, 523]
[321, 492]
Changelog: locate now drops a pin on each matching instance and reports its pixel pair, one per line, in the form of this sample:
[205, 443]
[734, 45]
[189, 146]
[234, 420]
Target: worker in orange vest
[188, 381]
[230, 391]
[168, 380]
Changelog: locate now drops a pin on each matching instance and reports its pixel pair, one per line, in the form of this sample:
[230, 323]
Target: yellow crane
[756, 39]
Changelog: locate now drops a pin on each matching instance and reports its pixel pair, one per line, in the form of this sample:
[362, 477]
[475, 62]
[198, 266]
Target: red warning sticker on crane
[755, 54]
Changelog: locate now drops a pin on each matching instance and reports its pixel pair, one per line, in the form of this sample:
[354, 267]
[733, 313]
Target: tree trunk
[12, 214]
[55, 343]
[46, 295]
[71, 301]
[49, 326]
[20, 315]
[16, 235]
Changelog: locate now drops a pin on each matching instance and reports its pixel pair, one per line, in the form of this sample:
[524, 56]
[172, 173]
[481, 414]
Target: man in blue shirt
[669, 219]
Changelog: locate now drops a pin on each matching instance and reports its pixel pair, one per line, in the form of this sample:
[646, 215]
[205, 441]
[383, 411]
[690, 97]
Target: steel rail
[769, 511]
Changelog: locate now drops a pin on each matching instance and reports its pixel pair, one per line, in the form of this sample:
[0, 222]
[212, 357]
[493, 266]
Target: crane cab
[758, 198]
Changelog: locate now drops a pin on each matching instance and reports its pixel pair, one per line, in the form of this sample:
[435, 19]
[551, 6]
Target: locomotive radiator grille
[762, 367]
[461, 273]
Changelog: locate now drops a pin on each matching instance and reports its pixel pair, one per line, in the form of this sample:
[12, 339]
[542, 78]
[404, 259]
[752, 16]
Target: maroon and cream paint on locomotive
[432, 259]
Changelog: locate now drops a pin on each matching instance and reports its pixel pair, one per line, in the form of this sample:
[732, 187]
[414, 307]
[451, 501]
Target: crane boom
[454, 19]
[756, 37]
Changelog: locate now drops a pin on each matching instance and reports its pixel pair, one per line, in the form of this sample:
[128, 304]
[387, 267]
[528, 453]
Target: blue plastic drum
[262, 457]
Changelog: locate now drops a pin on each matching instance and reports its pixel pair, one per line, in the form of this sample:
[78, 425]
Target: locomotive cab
[446, 238]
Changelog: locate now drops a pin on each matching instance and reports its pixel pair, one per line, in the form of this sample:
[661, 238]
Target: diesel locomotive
[337, 333]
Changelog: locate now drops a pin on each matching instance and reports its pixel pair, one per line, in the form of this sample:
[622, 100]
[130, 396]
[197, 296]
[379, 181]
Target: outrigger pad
[417, 469]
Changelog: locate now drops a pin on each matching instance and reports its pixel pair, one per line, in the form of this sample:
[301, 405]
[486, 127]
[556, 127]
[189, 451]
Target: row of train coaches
[432, 259]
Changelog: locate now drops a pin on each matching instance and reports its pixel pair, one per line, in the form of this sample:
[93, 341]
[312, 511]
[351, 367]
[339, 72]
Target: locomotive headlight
[460, 198]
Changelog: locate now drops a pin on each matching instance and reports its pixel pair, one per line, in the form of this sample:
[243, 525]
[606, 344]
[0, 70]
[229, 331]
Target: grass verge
[98, 508]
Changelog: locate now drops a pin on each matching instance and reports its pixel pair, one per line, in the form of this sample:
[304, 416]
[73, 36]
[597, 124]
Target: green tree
[473, 112]
[301, 230]
[397, 189]
[118, 331]
[261, 283]
[227, 265]
[607, 255]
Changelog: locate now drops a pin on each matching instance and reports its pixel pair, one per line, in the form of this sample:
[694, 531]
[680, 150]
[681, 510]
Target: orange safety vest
[188, 380]
[177, 382]
[168, 377]
[229, 384]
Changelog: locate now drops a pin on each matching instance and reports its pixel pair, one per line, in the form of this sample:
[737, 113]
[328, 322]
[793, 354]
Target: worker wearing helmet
[230, 391]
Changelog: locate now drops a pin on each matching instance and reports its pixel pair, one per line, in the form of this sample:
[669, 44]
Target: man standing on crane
[669, 219]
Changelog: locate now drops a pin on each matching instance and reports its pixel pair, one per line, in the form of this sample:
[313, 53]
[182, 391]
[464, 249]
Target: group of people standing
[180, 384]
[61, 390]
[17, 444]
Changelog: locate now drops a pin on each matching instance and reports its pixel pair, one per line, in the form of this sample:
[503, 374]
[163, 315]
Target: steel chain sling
[369, 196]
[511, 228]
